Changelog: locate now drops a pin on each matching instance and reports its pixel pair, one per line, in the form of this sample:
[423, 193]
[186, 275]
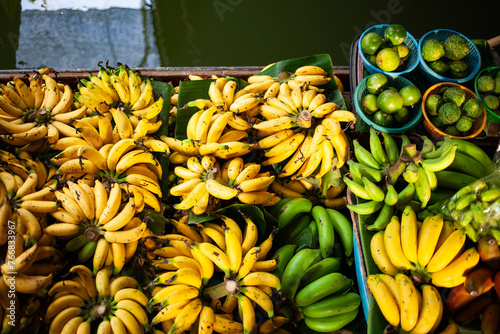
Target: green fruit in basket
[473, 108]
[372, 59]
[394, 89]
[440, 67]
[376, 83]
[437, 122]
[459, 69]
[485, 84]
[369, 104]
[455, 95]
[389, 101]
[432, 50]
[403, 51]
[449, 113]
[402, 115]
[464, 124]
[456, 47]
[491, 101]
[371, 43]
[383, 119]
[395, 33]
[411, 95]
[496, 90]
[433, 103]
[388, 60]
[452, 130]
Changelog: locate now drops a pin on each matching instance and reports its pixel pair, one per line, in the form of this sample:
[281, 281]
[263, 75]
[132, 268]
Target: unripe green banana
[284, 254]
[444, 147]
[453, 180]
[319, 289]
[326, 233]
[296, 268]
[391, 148]
[406, 194]
[308, 238]
[395, 170]
[391, 195]
[76, 243]
[344, 229]
[490, 195]
[410, 174]
[333, 305]
[373, 190]
[376, 148]
[373, 174]
[293, 208]
[320, 269]
[475, 152]
[275, 209]
[465, 164]
[423, 188]
[364, 156]
[366, 208]
[433, 182]
[331, 324]
[383, 218]
[444, 161]
[356, 188]
[404, 141]
[293, 229]
[87, 251]
[427, 146]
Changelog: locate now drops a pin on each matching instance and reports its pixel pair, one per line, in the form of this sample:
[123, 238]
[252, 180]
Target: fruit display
[387, 105]
[488, 89]
[446, 57]
[387, 52]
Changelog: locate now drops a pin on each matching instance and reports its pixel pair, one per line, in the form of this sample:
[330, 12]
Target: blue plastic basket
[473, 59]
[398, 83]
[410, 42]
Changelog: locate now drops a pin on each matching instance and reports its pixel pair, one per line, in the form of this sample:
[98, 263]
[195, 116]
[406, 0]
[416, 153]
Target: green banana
[293, 229]
[395, 170]
[373, 174]
[423, 188]
[453, 180]
[293, 208]
[465, 164]
[366, 208]
[296, 268]
[319, 289]
[284, 254]
[333, 305]
[490, 195]
[391, 195]
[320, 269]
[76, 243]
[356, 188]
[410, 174]
[444, 147]
[364, 156]
[427, 146]
[465, 201]
[391, 148]
[406, 194]
[331, 324]
[433, 182]
[344, 229]
[441, 162]
[404, 141]
[383, 218]
[475, 152]
[274, 209]
[376, 148]
[87, 251]
[373, 190]
[308, 238]
[326, 233]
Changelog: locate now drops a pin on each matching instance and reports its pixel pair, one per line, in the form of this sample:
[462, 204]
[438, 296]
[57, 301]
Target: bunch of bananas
[432, 251]
[35, 115]
[192, 257]
[402, 304]
[203, 177]
[84, 303]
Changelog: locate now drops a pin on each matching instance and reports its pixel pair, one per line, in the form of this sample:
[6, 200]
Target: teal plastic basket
[410, 42]
[473, 59]
[398, 83]
[491, 115]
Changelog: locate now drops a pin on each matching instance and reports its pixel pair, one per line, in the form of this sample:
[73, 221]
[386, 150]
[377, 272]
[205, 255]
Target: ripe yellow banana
[393, 247]
[384, 299]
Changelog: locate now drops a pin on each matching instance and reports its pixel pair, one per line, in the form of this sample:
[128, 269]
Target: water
[67, 34]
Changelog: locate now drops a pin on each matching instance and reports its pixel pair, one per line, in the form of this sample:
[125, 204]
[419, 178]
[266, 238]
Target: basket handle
[495, 41]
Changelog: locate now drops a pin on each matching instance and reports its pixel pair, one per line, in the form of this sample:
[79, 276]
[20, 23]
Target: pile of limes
[388, 106]
[388, 53]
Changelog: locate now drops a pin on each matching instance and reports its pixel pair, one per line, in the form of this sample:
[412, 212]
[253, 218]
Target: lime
[394, 89]
[402, 50]
[389, 102]
[485, 83]
[491, 101]
[440, 67]
[371, 42]
[455, 95]
[402, 115]
[369, 104]
[388, 60]
[432, 50]
[452, 130]
[395, 33]
[372, 59]
[410, 94]
[376, 83]
[383, 119]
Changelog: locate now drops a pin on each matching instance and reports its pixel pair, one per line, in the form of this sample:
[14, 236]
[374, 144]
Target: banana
[129, 321]
[431, 311]
[428, 236]
[126, 236]
[454, 273]
[222, 325]
[296, 268]
[379, 254]
[219, 190]
[384, 299]
[326, 232]
[218, 257]
[366, 208]
[259, 278]
[441, 162]
[393, 247]
[62, 318]
[409, 306]
[21, 262]
[62, 303]
[364, 156]
[293, 208]
[411, 173]
[423, 187]
[70, 286]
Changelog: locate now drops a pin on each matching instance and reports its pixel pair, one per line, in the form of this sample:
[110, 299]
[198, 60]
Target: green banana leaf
[155, 220]
[166, 90]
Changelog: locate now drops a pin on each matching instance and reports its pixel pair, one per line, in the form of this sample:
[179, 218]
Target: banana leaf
[155, 221]
[165, 90]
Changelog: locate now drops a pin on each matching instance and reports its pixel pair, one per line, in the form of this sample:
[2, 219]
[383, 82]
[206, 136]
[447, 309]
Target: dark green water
[220, 32]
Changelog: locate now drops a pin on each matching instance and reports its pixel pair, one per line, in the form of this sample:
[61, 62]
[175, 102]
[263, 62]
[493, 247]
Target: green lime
[372, 59]
[369, 104]
[452, 130]
[449, 113]
[402, 115]
[403, 51]
[485, 84]
[389, 102]
[464, 124]
[376, 83]
[440, 67]
[491, 101]
[411, 95]
[388, 60]
[371, 43]
[383, 119]
[395, 33]
[455, 95]
[432, 50]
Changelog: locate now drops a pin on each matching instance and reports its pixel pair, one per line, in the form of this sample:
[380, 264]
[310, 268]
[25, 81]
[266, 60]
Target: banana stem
[228, 287]
[304, 119]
